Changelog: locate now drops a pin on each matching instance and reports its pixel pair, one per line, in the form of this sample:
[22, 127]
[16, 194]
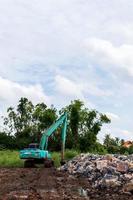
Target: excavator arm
[44, 139]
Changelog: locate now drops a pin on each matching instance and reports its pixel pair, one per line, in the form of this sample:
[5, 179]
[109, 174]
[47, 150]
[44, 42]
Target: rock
[128, 187]
[110, 158]
[122, 167]
[130, 169]
[102, 171]
[111, 182]
[128, 176]
[101, 164]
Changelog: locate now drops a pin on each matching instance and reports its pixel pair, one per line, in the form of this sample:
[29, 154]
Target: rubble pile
[110, 171]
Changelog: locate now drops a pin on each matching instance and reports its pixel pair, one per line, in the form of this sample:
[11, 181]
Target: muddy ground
[50, 184]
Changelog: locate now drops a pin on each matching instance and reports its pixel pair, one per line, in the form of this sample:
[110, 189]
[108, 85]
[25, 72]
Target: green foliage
[75, 109]
[28, 122]
[69, 154]
[109, 141]
[130, 150]
[123, 150]
[100, 149]
[115, 145]
[113, 149]
[57, 158]
[91, 124]
[6, 141]
[10, 159]
[83, 126]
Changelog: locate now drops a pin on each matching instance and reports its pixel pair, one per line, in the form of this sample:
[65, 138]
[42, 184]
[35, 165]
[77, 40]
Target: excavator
[38, 154]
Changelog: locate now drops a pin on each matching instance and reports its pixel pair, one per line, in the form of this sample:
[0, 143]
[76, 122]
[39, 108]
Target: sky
[55, 51]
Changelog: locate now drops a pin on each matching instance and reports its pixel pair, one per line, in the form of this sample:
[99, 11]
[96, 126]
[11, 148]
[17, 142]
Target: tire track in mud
[44, 184]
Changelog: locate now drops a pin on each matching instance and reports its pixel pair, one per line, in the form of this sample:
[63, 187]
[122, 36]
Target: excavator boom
[50, 131]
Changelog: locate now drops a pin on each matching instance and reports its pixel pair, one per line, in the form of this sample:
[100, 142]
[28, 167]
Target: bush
[57, 158]
[100, 149]
[7, 141]
[69, 154]
[113, 149]
[123, 150]
[2, 147]
[130, 150]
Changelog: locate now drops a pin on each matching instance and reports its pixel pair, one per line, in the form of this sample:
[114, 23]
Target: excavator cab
[33, 146]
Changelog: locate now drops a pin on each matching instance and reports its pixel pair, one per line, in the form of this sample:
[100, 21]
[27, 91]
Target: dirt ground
[50, 184]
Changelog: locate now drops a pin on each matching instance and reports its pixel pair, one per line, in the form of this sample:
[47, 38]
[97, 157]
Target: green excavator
[38, 153]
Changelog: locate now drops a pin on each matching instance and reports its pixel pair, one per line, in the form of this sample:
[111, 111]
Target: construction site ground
[50, 184]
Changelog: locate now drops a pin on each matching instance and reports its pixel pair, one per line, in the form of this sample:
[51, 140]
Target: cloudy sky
[59, 50]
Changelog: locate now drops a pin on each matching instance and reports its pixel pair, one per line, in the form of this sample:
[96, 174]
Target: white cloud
[68, 87]
[111, 56]
[80, 86]
[127, 134]
[95, 90]
[112, 116]
[67, 90]
[115, 132]
[42, 52]
[11, 92]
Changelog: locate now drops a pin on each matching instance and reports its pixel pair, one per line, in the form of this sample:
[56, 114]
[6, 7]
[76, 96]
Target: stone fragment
[111, 182]
[128, 187]
[101, 164]
[122, 167]
[128, 176]
[130, 169]
[102, 171]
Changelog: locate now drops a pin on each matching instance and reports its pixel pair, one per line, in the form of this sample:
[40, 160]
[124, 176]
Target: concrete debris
[122, 167]
[129, 187]
[108, 171]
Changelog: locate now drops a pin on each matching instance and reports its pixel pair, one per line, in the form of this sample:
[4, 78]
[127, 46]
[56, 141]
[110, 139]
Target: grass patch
[56, 157]
[69, 154]
[11, 158]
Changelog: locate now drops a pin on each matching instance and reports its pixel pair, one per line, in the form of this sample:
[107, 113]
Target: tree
[6, 141]
[75, 109]
[115, 145]
[83, 125]
[20, 120]
[117, 142]
[27, 121]
[107, 140]
[42, 118]
[123, 150]
[122, 141]
[90, 126]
